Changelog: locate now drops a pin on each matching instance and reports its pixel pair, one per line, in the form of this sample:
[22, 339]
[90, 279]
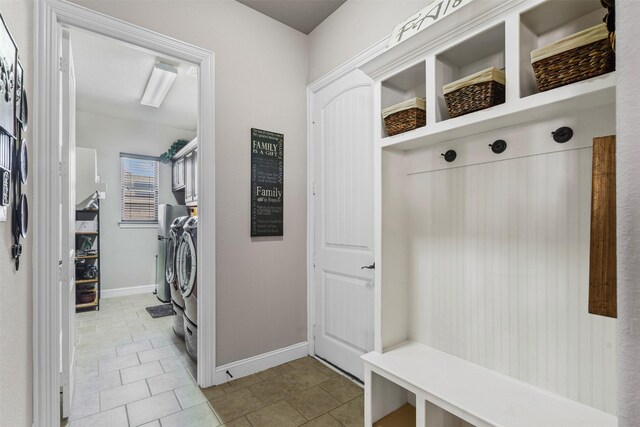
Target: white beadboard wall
[499, 259]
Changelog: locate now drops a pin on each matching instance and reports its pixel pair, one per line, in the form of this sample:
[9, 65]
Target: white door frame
[312, 90]
[50, 16]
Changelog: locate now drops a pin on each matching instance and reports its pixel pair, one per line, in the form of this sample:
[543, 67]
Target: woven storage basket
[478, 91]
[578, 57]
[405, 116]
[86, 296]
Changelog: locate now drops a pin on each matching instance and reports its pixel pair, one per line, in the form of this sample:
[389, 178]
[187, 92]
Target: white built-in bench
[475, 394]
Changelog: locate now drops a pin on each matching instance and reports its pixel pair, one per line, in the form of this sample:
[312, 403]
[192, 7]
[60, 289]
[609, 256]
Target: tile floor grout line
[126, 412]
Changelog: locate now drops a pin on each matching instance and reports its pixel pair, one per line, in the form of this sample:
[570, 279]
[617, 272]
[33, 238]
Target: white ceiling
[303, 15]
[111, 77]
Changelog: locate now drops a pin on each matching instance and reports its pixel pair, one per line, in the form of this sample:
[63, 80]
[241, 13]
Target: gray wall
[15, 287]
[261, 71]
[128, 255]
[354, 27]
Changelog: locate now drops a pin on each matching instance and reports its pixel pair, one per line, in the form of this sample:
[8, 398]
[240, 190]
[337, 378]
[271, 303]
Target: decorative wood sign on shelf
[267, 183]
[424, 19]
[602, 263]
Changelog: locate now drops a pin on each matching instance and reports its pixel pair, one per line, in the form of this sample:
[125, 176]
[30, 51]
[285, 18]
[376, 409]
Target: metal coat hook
[498, 146]
[449, 156]
[562, 134]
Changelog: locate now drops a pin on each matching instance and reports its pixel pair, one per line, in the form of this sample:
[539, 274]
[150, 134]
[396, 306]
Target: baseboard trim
[123, 292]
[258, 363]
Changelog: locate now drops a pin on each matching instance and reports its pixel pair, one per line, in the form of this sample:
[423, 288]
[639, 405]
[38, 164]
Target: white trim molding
[356, 62]
[49, 17]
[258, 363]
[123, 292]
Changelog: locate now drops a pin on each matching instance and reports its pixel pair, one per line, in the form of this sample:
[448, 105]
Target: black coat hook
[562, 134]
[498, 146]
[449, 156]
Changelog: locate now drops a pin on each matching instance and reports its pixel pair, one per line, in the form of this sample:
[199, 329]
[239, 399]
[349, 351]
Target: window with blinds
[139, 182]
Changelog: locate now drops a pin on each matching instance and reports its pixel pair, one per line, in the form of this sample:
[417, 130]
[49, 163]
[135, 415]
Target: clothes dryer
[186, 266]
[177, 301]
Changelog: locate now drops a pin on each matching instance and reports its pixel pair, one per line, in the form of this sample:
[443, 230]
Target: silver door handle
[368, 267]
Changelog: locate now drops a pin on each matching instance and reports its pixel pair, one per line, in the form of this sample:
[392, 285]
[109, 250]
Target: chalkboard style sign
[267, 183]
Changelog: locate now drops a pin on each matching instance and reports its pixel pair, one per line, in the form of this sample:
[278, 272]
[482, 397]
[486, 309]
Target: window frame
[132, 223]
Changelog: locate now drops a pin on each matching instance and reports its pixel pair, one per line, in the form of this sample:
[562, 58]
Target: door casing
[50, 17]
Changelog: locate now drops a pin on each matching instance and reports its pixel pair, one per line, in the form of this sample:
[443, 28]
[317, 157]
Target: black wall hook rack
[498, 146]
[449, 156]
[562, 134]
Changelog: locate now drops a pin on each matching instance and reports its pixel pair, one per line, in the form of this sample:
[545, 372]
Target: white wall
[352, 28]
[128, 255]
[86, 173]
[628, 199]
[16, 335]
[261, 70]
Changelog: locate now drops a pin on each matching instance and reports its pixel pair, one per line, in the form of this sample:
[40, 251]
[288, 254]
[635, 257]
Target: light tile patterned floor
[132, 370]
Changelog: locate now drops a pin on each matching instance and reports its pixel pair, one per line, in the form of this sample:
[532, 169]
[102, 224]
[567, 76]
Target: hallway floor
[132, 370]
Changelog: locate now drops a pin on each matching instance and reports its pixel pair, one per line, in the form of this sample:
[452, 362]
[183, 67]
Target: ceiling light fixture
[160, 81]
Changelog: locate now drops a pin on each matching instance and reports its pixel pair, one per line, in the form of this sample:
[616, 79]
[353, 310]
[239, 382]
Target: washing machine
[177, 301]
[186, 267]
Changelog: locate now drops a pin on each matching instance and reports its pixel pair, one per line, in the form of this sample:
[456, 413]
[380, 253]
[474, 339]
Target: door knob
[369, 267]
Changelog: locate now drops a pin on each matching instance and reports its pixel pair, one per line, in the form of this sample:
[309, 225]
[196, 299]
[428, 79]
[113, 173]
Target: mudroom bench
[448, 391]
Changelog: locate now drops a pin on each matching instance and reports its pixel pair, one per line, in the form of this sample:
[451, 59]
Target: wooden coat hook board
[602, 262]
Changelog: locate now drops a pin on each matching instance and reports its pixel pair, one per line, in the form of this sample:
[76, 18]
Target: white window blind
[139, 182]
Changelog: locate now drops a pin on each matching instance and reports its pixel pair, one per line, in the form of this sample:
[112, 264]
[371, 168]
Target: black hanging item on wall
[449, 156]
[498, 146]
[562, 134]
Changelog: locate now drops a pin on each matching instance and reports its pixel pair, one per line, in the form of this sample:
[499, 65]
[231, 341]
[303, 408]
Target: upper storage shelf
[407, 84]
[576, 97]
[549, 22]
[484, 50]
[499, 34]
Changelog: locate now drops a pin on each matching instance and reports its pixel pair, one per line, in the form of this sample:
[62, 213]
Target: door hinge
[314, 332]
[62, 169]
[64, 64]
[60, 271]
[314, 260]
[313, 189]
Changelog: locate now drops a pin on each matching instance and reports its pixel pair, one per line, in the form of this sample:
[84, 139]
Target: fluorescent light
[160, 82]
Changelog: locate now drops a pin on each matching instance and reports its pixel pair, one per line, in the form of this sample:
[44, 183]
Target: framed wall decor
[8, 61]
[267, 183]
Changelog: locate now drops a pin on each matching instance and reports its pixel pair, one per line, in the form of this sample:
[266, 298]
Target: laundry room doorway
[134, 192]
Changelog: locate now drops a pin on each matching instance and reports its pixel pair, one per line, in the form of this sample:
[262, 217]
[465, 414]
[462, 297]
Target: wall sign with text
[267, 183]
[424, 19]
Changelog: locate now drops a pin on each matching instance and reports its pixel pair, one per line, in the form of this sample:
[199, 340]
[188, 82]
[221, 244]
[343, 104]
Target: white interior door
[343, 169]
[67, 221]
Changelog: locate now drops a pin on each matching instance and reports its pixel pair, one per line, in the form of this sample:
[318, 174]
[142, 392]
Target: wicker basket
[476, 92]
[85, 296]
[406, 116]
[578, 57]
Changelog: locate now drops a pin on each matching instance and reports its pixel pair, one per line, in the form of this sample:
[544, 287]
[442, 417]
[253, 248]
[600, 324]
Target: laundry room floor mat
[160, 310]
